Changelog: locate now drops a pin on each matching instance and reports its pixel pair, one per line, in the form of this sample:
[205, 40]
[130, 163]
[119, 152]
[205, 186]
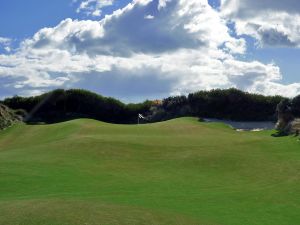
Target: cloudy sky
[141, 49]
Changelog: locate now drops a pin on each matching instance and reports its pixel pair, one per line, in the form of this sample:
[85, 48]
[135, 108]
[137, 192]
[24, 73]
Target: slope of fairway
[182, 172]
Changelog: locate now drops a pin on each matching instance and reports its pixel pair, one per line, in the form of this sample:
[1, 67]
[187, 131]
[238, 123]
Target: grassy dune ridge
[86, 172]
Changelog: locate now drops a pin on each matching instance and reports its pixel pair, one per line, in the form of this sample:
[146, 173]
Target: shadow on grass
[279, 134]
[283, 134]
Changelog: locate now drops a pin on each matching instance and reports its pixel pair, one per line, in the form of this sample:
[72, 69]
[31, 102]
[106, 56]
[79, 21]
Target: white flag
[141, 116]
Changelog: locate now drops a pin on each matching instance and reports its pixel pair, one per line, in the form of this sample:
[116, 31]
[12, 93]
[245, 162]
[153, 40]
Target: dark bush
[295, 105]
[234, 104]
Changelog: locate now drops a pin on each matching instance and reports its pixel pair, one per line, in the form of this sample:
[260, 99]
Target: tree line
[231, 104]
[60, 105]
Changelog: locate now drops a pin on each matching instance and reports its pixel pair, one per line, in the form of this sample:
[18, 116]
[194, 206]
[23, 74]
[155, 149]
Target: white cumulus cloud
[185, 46]
[272, 23]
[93, 7]
[5, 43]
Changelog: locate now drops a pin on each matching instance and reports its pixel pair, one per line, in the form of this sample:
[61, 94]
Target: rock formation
[7, 117]
[288, 122]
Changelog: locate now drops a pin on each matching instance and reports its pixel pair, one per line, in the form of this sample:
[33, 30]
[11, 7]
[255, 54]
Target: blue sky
[273, 49]
[21, 19]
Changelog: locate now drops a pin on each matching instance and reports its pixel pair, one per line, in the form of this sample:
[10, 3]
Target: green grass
[182, 172]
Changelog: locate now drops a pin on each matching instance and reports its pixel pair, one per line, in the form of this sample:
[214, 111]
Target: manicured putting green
[182, 172]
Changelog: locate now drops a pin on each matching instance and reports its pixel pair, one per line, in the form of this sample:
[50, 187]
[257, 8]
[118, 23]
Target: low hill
[176, 172]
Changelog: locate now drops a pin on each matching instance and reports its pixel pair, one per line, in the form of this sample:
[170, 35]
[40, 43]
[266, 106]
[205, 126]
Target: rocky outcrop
[289, 126]
[288, 122]
[294, 126]
[7, 117]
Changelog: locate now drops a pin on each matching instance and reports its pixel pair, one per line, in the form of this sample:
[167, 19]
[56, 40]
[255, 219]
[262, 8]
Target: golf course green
[182, 171]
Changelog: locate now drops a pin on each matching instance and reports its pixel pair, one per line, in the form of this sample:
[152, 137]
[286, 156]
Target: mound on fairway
[182, 172]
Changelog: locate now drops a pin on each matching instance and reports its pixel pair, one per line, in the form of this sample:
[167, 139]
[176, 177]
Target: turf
[182, 172]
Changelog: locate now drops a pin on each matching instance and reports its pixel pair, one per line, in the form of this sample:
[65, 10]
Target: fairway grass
[183, 172]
